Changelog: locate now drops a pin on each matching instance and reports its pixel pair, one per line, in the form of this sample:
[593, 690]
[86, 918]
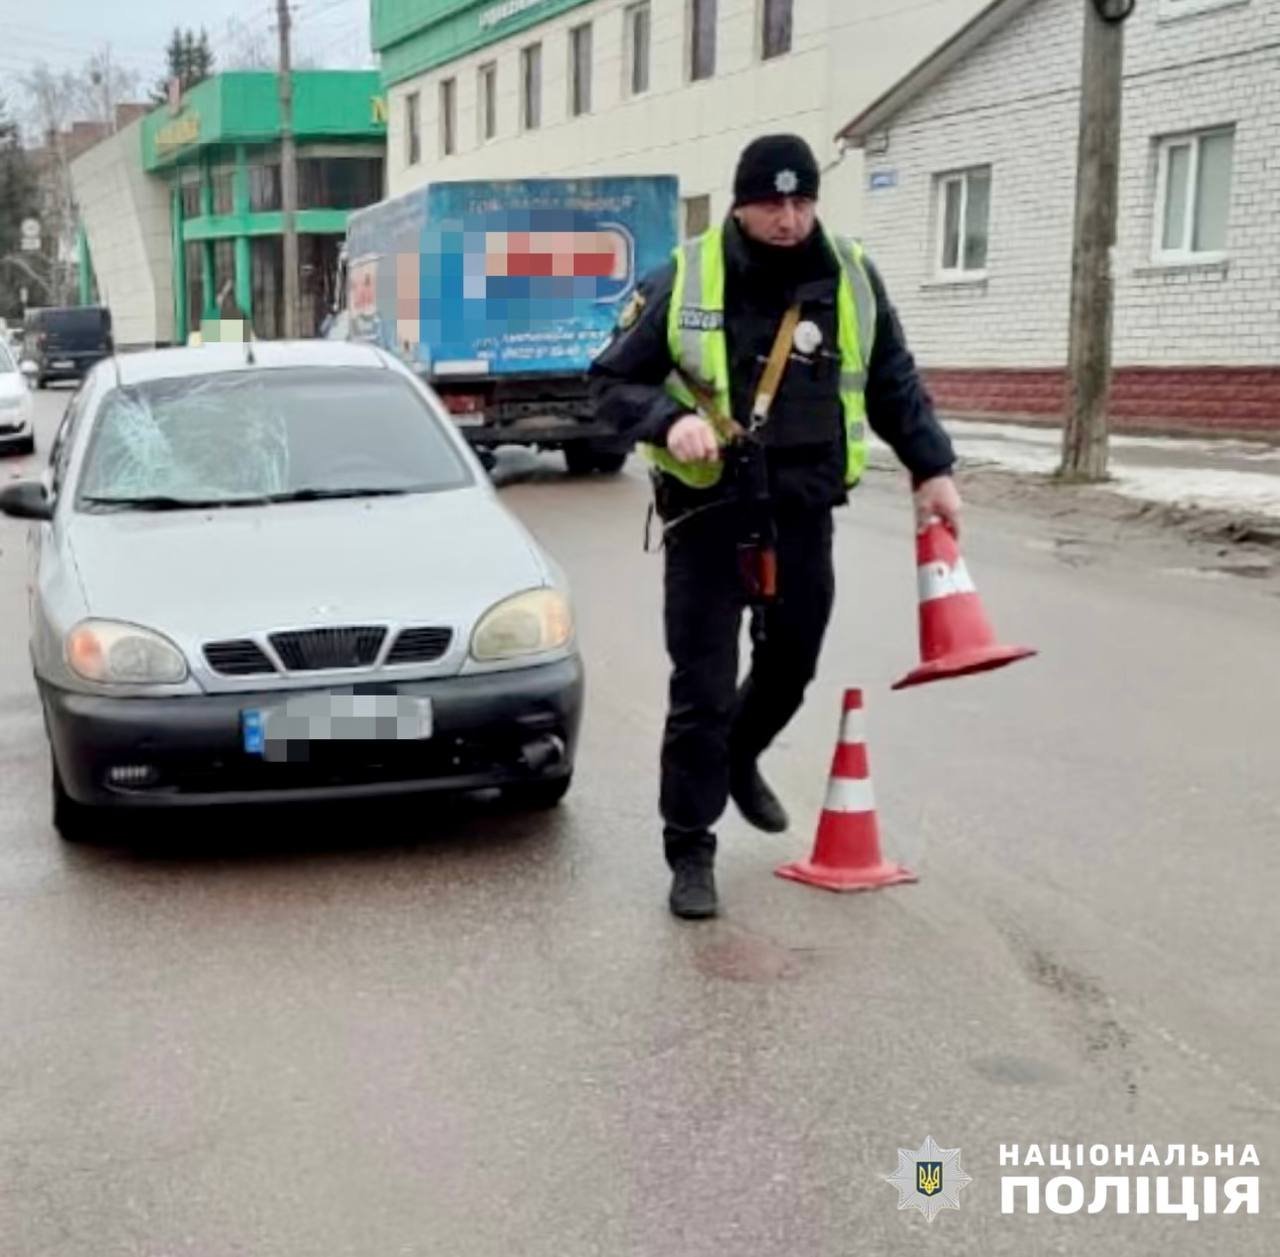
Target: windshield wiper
[322, 495]
[162, 502]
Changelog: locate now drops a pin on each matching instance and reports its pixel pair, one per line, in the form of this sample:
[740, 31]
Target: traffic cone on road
[955, 635]
[846, 852]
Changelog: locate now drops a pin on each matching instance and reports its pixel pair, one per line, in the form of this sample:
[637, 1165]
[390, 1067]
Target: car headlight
[531, 623]
[123, 654]
[11, 403]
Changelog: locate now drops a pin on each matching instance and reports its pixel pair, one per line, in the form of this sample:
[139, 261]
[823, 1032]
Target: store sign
[178, 133]
[496, 14]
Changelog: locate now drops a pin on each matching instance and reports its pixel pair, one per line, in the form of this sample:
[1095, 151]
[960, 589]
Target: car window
[7, 364]
[245, 435]
[61, 447]
[84, 322]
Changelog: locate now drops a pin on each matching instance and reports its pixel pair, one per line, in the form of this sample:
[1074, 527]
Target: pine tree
[203, 64]
[189, 59]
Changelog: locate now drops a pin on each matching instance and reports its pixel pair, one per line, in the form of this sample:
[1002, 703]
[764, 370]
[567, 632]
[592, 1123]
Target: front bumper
[69, 366]
[494, 729]
[14, 430]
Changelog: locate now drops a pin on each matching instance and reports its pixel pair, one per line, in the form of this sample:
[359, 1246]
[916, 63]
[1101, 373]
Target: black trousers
[712, 720]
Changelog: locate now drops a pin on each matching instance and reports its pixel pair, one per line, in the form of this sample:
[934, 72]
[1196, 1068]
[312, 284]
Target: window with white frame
[531, 87]
[638, 27]
[448, 117]
[580, 70]
[702, 38]
[697, 216]
[487, 92]
[1193, 196]
[775, 29]
[412, 129]
[963, 217]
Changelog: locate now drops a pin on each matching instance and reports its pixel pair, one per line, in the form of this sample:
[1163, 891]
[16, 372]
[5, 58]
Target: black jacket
[804, 437]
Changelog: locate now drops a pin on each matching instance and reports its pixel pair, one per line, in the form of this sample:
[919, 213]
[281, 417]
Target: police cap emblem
[786, 182]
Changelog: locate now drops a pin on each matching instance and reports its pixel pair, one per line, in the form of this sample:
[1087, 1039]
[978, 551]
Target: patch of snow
[1214, 490]
[1037, 451]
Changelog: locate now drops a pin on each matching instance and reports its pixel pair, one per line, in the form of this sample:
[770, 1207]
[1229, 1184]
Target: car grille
[420, 645]
[237, 659]
[315, 650]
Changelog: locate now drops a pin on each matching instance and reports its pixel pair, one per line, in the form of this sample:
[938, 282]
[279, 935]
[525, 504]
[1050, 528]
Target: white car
[17, 433]
[278, 573]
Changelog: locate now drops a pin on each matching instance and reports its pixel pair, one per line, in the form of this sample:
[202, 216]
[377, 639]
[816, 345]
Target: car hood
[427, 559]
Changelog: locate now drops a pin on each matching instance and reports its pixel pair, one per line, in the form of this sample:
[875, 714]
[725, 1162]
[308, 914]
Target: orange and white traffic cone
[846, 852]
[956, 638]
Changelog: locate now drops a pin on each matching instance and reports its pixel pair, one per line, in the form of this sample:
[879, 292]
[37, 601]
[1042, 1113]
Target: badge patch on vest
[631, 312]
[693, 319]
[808, 338]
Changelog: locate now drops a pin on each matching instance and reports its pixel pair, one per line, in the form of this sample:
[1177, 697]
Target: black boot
[693, 889]
[757, 803]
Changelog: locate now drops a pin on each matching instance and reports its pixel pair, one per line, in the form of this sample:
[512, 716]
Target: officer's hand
[693, 440]
[938, 499]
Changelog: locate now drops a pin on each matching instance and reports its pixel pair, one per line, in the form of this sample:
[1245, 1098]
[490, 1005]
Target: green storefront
[220, 153]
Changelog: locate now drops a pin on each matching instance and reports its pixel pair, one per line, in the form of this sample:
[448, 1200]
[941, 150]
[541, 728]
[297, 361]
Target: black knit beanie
[773, 166]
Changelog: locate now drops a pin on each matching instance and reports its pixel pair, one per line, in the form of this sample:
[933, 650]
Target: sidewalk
[1202, 474]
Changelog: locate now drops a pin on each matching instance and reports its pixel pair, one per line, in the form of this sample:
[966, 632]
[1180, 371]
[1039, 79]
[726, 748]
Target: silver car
[274, 571]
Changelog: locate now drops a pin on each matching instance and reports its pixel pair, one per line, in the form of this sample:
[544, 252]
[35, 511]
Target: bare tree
[103, 84]
[56, 101]
[244, 47]
[52, 97]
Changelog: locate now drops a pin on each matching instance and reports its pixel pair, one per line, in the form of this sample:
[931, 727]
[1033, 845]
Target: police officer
[683, 375]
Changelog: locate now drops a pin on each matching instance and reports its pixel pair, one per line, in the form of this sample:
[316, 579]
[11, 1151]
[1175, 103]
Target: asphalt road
[462, 1033]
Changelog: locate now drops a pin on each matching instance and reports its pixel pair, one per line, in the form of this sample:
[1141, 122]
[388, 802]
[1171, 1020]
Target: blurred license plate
[475, 420]
[59, 363]
[270, 731]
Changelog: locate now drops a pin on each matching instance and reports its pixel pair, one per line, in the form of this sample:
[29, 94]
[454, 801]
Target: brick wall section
[1013, 103]
[1195, 399]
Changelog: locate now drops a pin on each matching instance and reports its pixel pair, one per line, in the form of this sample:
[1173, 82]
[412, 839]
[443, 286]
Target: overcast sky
[65, 32]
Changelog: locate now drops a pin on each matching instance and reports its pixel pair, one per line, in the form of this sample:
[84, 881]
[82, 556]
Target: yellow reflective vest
[696, 334]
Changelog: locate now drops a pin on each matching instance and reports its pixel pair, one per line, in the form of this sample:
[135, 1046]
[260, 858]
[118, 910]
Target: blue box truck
[500, 293]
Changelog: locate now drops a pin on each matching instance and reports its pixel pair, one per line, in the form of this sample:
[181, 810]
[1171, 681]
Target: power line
[42, 34]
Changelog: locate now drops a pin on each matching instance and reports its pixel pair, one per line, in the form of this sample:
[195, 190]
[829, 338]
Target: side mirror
[29, 369]
[26, 499]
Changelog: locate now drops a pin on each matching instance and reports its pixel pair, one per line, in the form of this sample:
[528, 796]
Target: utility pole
[1084, 438]
[288, 175]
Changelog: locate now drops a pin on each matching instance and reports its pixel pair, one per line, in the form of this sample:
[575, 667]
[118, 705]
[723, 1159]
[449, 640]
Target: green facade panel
[318, 222]
[243, 107]
[417, 35]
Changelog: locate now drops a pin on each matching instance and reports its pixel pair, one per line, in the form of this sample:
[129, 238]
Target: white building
[970, 193]
[125, 216]
[523, 88]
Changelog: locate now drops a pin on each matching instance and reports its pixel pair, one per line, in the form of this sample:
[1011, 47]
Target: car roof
[43, 310]
[223, 356]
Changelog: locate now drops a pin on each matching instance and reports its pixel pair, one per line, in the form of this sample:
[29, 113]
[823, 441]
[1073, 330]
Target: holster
[747, 475]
